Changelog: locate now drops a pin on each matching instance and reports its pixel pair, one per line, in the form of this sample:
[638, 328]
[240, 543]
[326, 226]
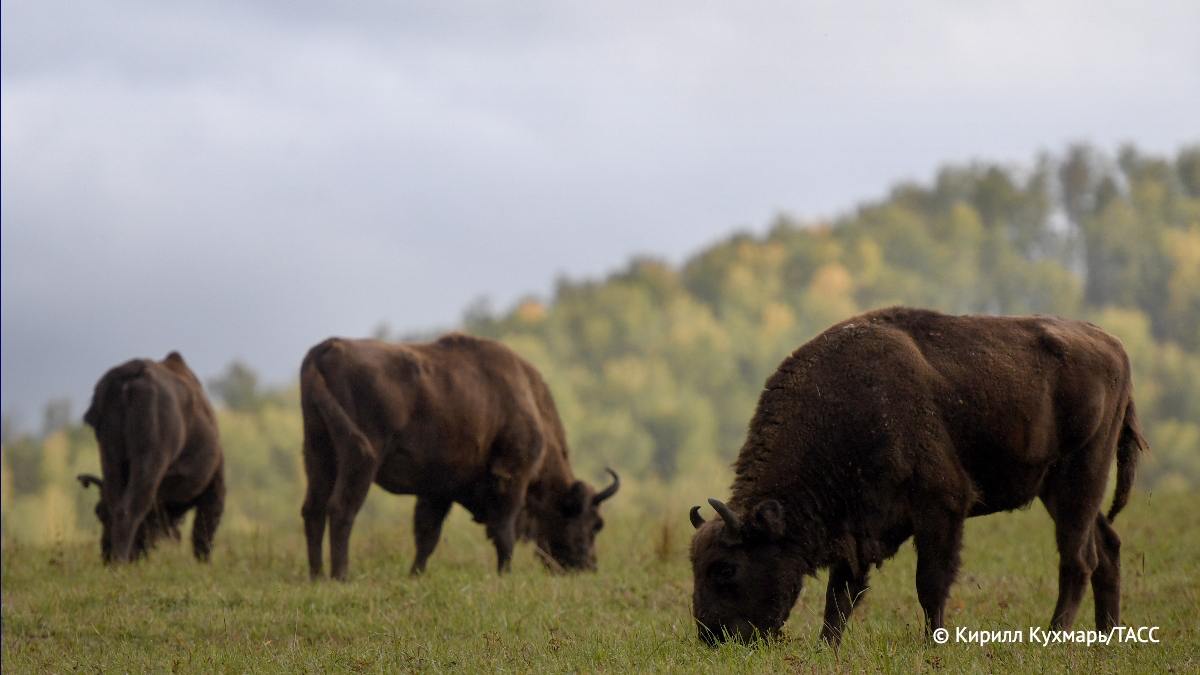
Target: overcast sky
[243, 179]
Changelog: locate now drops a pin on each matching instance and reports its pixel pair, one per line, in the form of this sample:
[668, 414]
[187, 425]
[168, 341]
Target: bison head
[743, 587]
[567, 533]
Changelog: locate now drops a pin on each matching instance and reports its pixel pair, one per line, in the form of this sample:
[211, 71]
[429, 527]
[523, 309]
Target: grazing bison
[160, 456]
[461, 419]
[904, 422]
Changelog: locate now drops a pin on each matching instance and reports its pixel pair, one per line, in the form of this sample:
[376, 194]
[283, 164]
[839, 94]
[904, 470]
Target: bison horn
[697, 519]
[87, 480]
[610, 490]
[731, 520]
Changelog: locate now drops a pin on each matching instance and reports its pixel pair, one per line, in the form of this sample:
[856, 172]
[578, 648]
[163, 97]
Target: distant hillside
[658, 367]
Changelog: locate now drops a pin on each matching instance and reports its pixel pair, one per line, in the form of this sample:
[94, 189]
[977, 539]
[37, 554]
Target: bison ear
[767, 519]
[573, 499]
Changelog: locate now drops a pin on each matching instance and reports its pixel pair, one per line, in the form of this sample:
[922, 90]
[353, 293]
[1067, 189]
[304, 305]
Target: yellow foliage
[741, 280]
[1183, 248]
[597, 331]
[531, 311]
[870, 260]
[777, 318]
[55, 453]
[626, 374]
[58, 513]
[967, 225]
[693, 324]
[6, 483]
[832, 280]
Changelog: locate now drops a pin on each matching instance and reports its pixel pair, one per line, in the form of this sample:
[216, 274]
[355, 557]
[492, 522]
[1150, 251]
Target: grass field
[253, 608]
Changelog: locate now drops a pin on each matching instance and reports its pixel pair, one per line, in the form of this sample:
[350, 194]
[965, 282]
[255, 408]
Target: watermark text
[1046, 637]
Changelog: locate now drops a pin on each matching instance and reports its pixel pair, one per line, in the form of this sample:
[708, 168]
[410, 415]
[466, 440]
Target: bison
[461, 419]
[903, 423]
[160, 455]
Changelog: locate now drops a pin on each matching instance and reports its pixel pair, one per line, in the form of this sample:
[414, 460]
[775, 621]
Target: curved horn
[610, 490]
[731, 520]
[697, 519]
[87, 480]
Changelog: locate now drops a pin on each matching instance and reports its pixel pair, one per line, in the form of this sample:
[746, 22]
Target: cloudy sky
[243, 179]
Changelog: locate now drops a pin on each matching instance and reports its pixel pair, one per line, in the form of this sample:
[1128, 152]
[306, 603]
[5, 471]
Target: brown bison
[903, 423]
[463, 420]
[160, 456]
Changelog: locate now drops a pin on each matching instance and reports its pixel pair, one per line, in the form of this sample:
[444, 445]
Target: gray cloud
[243, 179]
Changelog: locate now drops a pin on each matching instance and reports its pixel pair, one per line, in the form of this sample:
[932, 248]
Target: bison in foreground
[461, 420]
[903, 423]
[159, 454]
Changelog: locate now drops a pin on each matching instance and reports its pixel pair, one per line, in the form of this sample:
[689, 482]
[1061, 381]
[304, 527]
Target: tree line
[656, 368]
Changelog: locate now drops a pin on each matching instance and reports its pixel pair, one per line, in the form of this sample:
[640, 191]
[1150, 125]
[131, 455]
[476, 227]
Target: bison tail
[337, 421]
[1130, 444]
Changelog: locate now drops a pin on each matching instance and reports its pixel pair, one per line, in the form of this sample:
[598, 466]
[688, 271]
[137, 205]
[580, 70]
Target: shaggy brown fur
[462, 420]
[903, 423]
[160, 456]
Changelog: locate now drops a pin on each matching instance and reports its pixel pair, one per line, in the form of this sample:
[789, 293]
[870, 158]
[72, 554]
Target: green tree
[237, 387]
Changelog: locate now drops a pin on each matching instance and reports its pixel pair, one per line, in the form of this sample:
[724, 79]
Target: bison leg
[321, 476]
[129, 539]
[844, 591]
[161, 522]
[504, 537]
[514, 455]
[342, 511]
[1074, 502]
[938, 539]
[349, 492]
[149, 437]
[209, 507]
[502, 524]
[175, 515]
[1077, 559]
[1106, 579]
[427, 527]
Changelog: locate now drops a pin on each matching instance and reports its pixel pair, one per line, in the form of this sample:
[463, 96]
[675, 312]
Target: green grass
[253, 608]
